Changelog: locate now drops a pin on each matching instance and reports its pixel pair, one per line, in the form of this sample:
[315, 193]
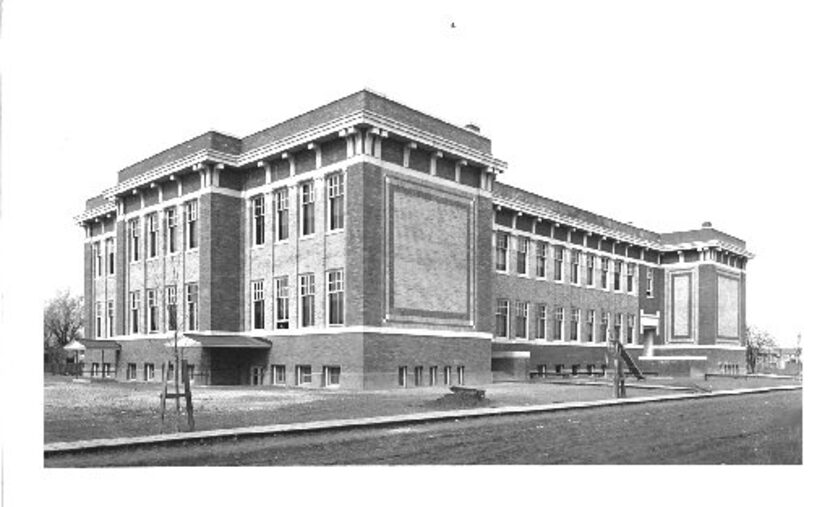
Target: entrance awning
[221, 341]
[94, 344]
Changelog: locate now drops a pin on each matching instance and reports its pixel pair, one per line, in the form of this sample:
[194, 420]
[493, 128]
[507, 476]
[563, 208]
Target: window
[152, 311]
[502, 316]
[502, 241]
[96, 255]
[521, 319]
[110, 248]
[402, 376]
[307, 300]
[331, 376]
[172, 319]
[132, 227]
[256, 375]
[617, 273]
[94, 370]
[589, 269]
[649, 282]
[191, 212]
[191, 372]
[152, 235]
[303, 374]
[629, 334]
[460, 374]
[135, 303]
[521, 255]
[110, 317]
[307, 207]
[603, 330]
[589, 324]
[277, 374]
[575, 369]
[107, 371]
[419, 375]
[258, 219]
[192, 300]
[604, 280]
[558, 257]
[281, 201]
[98, 318]
[335, 187]
[433, 375]
[131, 371]
[541, 259]
[542, 370]
[617, 325]
[558, 323]
[575, 267]
[447, 375]
[170, 217]
[149, 371]
[574, 324]
[281, 292]
[541, 321]
[258, 297]
[335, 297]
[629, 276]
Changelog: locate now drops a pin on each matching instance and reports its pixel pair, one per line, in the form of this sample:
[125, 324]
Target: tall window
[152, 311]
[574, 324]
[502, 241]
[502, 316]
[629, 276]
[335, 187]
[149, 371]
[541, 259]
[172, 301]
[152, 234]
[110, 317]
[192, 300]
[191, 212]
[521, 319]
[259, 219]
[558, 323]
[649, 282]
[171, 219]
[617, 273]
[258, 297]
[589, 269]
[603, 329]
[617, 325]
[307, 300]
[604, 276]
[278, 374]
[589, 325]
[132, 227]
[281, 292]
[331, 376]
[281, 206]
[307, 207]
[335, 296]
[521, 255]
[303, 374]
[575, 266]
[110, 247]
[629, 333]
[135, 302]
[541, 321]
[96, 256]
[558, 257]
[99, 311]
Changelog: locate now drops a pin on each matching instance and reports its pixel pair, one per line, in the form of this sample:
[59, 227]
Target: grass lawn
[83, 411]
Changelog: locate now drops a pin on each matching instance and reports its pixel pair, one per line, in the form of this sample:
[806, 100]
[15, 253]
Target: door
[648, 340]
[257, 375]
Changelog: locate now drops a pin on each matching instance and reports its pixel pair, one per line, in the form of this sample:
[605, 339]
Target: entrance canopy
[81, 345]
[221, 341]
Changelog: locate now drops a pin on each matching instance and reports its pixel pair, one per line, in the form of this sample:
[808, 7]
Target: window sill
[334, 232]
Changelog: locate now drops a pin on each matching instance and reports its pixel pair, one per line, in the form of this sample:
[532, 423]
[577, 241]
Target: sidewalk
[375, 422]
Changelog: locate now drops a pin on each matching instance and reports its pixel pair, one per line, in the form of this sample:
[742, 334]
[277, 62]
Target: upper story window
[617, 274]
[171, 219]
[96, 259]
[521, 255]
[110, 317]
[617, 325]
[541, 259]
[133, 230]
[171, 300]
[649, 282]
[307, 207]
[502, 242]
[575, 266]
[335, 189]
[604, 274]
[99, 311]
[110, 248]
[258, 297]
[575, 324]
[191, 213]
[603, 329]
[152, 311]
[629, 334]
[192, 300]
[281, 207]
[152, 235]
[502, 316]
[307, 300]
[521, 319]
[541, 321]
[558, 258]
[281, 294]
[589, 324]
[258, 217]
[335, 296]
[135, 306]
[558, 323]
[590, 260]
[630, 269]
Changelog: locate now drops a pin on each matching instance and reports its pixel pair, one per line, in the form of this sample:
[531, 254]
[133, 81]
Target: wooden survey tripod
[188, 398]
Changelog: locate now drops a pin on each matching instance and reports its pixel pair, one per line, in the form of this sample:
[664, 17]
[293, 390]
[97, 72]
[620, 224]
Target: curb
[57, 448]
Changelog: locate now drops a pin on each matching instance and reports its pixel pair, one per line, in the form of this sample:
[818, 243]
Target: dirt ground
[83, 411]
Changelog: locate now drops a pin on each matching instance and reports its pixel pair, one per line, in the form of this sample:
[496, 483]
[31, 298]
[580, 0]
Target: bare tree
[63, 320]
[758, 341]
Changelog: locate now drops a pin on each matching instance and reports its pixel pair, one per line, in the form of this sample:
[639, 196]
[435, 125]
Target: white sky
[665, 114]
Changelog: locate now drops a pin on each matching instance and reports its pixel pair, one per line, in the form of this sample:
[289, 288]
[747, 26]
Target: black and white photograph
[412, 252]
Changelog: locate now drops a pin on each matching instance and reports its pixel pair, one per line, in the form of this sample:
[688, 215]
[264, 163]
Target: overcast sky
[664, 114]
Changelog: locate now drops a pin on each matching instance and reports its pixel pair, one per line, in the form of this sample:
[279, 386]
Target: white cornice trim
[316, 331]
